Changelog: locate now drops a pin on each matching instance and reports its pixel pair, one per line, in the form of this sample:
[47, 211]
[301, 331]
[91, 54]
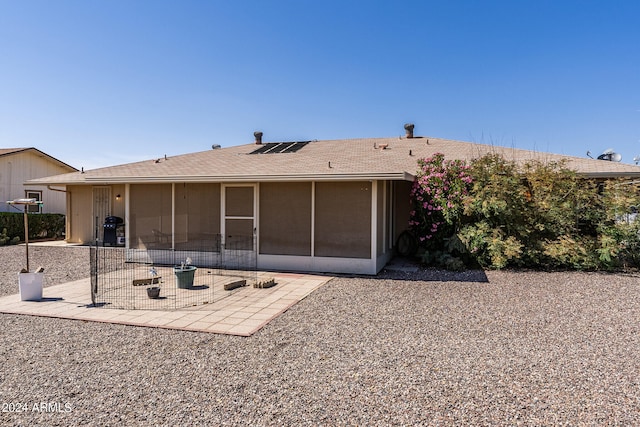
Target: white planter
[30, 286]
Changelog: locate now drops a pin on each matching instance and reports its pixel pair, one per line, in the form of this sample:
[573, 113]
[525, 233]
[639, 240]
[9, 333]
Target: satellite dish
[636, 159]
[610, 155]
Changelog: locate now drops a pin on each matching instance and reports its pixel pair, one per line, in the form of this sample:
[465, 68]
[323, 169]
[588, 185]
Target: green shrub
[537, 215]
[5, 239]
[574, 252]
[41, 226]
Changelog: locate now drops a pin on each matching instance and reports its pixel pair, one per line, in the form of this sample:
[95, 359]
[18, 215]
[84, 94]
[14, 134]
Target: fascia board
[395, 176]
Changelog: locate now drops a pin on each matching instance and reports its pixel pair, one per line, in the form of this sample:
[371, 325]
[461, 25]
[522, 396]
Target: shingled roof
[346, 159]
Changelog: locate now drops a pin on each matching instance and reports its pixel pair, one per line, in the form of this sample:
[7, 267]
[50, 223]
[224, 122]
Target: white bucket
[30, 286]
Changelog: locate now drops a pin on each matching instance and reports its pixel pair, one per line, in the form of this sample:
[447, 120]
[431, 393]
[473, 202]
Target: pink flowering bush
[438, 194]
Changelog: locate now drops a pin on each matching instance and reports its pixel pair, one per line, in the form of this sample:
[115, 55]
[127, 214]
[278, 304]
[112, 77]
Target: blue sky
[98, 83]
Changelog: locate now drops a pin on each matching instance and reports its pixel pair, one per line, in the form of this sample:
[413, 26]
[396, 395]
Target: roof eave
[387, 176]
[609, 175]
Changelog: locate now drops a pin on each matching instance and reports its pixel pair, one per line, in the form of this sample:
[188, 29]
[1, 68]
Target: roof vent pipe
[258, 136]
[409, 128]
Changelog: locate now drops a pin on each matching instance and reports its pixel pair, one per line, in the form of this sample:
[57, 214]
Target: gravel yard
[427, 348]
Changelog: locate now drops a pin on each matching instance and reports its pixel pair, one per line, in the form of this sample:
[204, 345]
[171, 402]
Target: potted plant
[153, 291]
[185, 274]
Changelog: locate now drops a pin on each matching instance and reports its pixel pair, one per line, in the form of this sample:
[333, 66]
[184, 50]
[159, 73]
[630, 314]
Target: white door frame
[223, 211]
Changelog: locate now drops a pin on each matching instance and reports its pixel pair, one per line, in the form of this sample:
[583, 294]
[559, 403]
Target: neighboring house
[326, 206]
[18, 165]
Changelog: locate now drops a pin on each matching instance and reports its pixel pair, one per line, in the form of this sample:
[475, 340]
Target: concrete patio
[242, 313]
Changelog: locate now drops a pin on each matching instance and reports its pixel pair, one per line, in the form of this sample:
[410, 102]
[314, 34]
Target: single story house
[324, 206]
[18, 165]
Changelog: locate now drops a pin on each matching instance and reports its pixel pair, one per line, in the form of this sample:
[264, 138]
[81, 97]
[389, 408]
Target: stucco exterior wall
[117, 200]
[84, 223]
[79, 215]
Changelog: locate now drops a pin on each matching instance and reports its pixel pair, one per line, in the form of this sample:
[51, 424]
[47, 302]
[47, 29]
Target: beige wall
[343, 219]
[285, 218]
[340, 215]
[118, 203]
[150, 216]
[81, 218]
[197, 219]
[197, 216]
[17, 168]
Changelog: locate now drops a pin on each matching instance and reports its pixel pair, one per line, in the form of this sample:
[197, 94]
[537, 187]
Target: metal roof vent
[409, 128]
[258, 136]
